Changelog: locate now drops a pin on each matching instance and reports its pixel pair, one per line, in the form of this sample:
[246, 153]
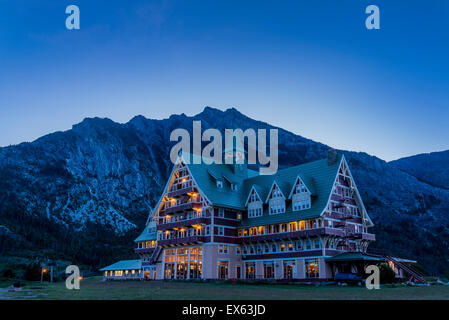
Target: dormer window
[254, 204]
[277, 201]
[301, 196]
[219, 184]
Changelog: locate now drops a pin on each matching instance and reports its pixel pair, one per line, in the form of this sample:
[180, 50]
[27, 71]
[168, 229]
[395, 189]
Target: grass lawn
[94, 288]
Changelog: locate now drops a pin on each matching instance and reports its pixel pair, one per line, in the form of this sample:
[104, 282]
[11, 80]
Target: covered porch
[352, 262]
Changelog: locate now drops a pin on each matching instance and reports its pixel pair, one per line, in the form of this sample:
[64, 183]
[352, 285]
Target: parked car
[349, 278]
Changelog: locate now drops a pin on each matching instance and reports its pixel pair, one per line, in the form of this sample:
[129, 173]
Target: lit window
[254, 206]
[312, 268]
[223, 249]
[308, 245]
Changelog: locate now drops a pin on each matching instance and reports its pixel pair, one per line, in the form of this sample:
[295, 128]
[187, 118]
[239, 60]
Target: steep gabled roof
[275, 183]
[146, 235]
[302, 181]
[225, 197]
[318, 176]
[253, 187]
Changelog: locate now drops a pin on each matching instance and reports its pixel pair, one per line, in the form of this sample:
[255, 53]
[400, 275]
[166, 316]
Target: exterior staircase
[155, 254]
[414, 274]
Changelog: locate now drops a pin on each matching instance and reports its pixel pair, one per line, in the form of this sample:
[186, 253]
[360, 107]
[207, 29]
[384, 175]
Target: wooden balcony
[144, 250]
[283, 255]
[362, 236]
[367, 236]
[183, 223]
[339, 224]
[179, 192]
[183, 240]
[292, 235]
[181, 207]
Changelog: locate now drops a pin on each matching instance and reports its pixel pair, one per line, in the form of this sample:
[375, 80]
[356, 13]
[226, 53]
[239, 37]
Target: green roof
[318, 176]
[146, 235]
[124, 265]
[354, 256]
[225, 197]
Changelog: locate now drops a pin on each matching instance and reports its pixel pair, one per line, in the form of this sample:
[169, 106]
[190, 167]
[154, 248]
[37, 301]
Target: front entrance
[183, 263]
[169, 272]
[181, 272]
[288, 269]
[268, 270]
[223, 269]
[250, 270]
[238, 272]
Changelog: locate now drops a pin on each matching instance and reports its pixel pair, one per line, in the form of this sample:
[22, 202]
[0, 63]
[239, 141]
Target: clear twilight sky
[310, 67]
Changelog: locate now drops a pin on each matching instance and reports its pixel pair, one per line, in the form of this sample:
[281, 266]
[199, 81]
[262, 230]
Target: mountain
[84, 194]
[432, 168]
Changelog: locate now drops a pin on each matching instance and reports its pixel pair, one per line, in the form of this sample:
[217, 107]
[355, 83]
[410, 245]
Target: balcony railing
[182, 240]
[178, 192]
[144, 250]
[183, 223]
[292, 234]
[187, 216]
[178, 207]
[362, 235]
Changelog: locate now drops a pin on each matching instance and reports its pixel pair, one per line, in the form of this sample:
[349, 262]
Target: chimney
[332, 156]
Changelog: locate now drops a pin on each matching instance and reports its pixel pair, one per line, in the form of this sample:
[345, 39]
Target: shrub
[8, 273]
[419, 267]
[33, 272]
[387, 275]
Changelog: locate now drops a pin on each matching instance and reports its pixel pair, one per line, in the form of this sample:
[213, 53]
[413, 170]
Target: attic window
[277, 201]
[234, 187]
[220, 184]
[301, 197]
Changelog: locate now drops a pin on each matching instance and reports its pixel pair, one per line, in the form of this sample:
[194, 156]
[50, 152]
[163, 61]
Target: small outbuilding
[123, 270]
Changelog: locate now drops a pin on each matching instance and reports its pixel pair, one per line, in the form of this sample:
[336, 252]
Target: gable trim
[359, 198]
[271, 189]
[158, 204]
[249, 195]
[332, 188]
[294, 185]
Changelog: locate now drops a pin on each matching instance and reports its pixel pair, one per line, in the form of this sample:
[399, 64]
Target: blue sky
[310, 67]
